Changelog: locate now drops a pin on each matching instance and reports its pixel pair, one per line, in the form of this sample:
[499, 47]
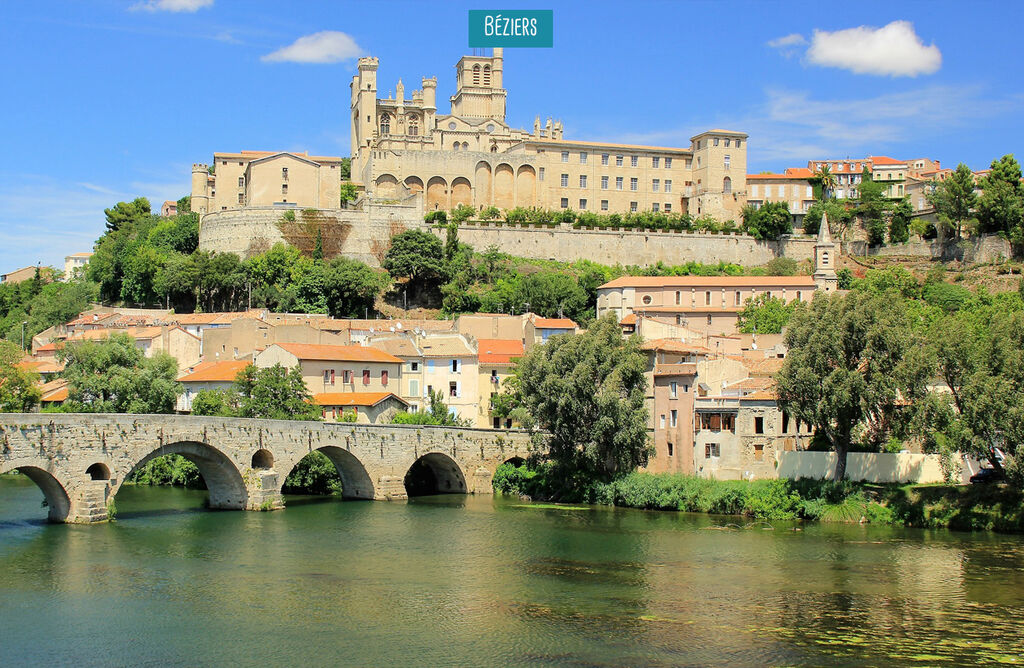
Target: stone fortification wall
[565, 244]
[365, 235]
[361, 234]
[986, 248]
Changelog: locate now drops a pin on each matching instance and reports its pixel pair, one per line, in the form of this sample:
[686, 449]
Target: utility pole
[23, 323]
[248, 284]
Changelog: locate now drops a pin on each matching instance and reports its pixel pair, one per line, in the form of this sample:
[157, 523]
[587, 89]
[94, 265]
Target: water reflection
[480, 581]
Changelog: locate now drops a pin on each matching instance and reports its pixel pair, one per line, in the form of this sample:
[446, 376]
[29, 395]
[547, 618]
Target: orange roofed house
[368, 407]
[206, 376]
[337, 369]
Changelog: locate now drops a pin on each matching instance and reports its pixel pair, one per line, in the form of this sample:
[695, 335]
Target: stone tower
[200, 189]
[825, 259]
[364, 109]
[479, 92]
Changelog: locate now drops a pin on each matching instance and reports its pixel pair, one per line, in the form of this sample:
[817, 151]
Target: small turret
[200, 188]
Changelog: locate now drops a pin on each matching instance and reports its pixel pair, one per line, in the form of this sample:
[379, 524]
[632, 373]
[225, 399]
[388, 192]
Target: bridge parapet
[80, 461]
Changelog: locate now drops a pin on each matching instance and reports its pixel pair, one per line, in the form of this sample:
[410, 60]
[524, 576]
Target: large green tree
[1001, 205]
[274, 393]
[19, 388]
[845, 368]
[587, 393]
[954, 200]
[416, 255]
[113, 376]
[765, 315]
[872, 207]
[770, 221]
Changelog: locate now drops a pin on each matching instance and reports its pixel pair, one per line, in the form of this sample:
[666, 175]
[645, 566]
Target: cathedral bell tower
[479, 92]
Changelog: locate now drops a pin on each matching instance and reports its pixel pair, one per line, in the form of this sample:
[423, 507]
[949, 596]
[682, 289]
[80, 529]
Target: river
[476, 581]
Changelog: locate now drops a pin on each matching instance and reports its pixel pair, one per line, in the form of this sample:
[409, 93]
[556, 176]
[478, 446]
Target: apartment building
[336, 369]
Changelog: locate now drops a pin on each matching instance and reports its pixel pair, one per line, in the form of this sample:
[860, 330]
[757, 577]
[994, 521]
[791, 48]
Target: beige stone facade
[791, 187]
[264, 178]
[471, 156]
[335, 369]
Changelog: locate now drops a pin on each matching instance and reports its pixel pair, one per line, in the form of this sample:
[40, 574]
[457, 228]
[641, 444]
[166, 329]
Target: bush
[490, 213]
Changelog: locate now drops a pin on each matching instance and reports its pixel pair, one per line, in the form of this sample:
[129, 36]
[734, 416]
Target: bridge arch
[54, 491]
[356, 482]
[223, 480]
[262, 460]
[98, 471]
[435, 473]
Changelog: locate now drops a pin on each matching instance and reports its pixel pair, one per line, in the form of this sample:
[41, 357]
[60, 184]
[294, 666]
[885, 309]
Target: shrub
[490, 213]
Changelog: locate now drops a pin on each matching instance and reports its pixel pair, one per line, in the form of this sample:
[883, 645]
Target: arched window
[414, 125]
[727, 185]
[465, 146]
[487, 75]
[455, 146]
[824, 257]
[476, 75]
[385, 125]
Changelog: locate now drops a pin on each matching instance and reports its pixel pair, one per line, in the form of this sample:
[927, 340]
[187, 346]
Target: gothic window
[465, 146]
[455, 146]
[414, 125]
[476, 75]
[385, 124]
[727, 185]
[487, 75]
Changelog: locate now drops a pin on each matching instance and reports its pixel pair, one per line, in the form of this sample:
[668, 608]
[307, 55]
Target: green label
[515, 27]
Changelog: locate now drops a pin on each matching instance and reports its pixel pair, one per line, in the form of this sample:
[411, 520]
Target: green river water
[476, 581]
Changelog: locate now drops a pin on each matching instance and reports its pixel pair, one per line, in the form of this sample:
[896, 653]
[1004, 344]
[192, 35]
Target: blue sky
[108, 100]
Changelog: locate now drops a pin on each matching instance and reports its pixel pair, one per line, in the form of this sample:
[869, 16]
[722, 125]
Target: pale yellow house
[206, 376]
[496, 360]
[791, 187]
[336, 369]
[450, 367]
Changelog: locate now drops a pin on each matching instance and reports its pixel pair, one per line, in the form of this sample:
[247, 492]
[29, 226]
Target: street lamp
[23, 323]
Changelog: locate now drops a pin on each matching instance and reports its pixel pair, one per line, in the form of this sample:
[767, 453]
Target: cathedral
[403, 148]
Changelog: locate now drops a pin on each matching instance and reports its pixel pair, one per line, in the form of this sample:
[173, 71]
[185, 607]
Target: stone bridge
[80, 461]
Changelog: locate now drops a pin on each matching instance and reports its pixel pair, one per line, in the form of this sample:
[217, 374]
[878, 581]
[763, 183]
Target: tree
[781, 266]
[351, 287]
[437, 413]
[113, 376]
[845, 366]
[838, 216]
[417, 255]
[765, 315]
[125, 214]
[827, 180]
[462, 213]
[770, 221]
[899, 222]
[349, 193]
[19, 388]
[274, 393]
[954, 200]
[871, 207]
[587, 392]
[222, 403]
[1001, 205]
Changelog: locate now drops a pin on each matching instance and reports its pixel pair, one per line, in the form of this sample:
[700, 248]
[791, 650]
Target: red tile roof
[314, 351]
[54, 391]
[354, 398]
[672, 346]
[554, 323]
[885, 160]
[214, 372]
[499, 351]
[708, 281]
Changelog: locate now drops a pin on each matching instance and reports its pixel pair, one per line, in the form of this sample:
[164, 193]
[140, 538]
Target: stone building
[496, 359]
[472, 156]
[253, 179]
[791, 187]
[332, 369]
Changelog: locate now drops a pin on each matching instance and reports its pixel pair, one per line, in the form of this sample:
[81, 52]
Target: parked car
[987, 475]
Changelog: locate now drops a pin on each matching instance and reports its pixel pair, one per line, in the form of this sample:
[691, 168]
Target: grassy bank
[976, 507]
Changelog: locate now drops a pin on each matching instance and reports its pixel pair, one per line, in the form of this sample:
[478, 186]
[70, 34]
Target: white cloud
[794, 39]
[328, 46]
[893, 50]
[171, 5]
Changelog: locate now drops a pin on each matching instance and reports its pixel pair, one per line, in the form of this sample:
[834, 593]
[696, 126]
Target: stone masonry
[80, 461]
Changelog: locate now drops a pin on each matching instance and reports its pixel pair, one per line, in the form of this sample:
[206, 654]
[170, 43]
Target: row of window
[716, 141]
[348, 376]
[647, 299]
[634, 160]
[634, 183]
[633, 206]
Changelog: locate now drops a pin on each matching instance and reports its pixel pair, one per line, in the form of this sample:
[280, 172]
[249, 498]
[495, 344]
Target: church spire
[825, 258]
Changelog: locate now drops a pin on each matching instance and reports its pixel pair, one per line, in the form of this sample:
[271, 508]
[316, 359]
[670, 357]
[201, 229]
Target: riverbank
[960, 507]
